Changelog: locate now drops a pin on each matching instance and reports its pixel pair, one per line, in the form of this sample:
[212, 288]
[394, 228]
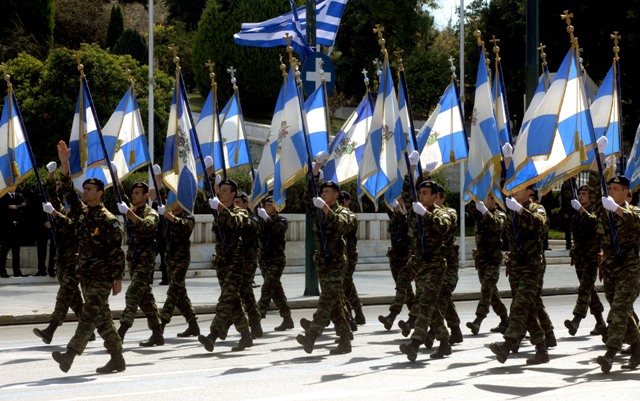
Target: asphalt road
[276, 367]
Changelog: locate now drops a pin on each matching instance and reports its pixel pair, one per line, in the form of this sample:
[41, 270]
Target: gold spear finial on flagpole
[212, 75]
[80, 66]
[398, 53]
[477, 33]
[174, 50]
[567, 17]
[616, 49]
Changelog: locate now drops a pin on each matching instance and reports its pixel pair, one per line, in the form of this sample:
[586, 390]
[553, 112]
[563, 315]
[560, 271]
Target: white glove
[602, 144]
[218, 179]
[161, 210]
[507, 150]
[47, 207]
[156, 169]
[513, 204]
[419, 209]
[609, 203]
[263, 213]
[430, 166]
[52, 167]
[319, 203]
[575, 204]
[208, 161]
[321, 156]
[395, 203]
[481, 207]
[214, 203]
[414, 158]
[123, 208]
[320, 175]
[114, 167]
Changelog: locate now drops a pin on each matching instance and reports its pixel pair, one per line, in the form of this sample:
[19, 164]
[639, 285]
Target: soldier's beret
[583, 188]
[440, 189]
[330, 184]
[242, 195]
[141, 185]
[229, 182]
[94, 181]
[345, 195]
[535, 194]
[268, 199]
[620, 179]
[428, 184]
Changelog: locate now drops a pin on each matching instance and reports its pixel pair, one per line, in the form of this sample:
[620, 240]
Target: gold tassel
[132, 157]
[452, 156]
[583, 152]
[16, 170]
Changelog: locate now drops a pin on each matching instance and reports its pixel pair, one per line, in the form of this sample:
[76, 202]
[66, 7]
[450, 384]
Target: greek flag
[87, 159]
[317, 122]
[442, 138]
[208, 130]
[180, 151]
[291, 162]
[501, 107]
[484, 168]
[269, 33]
[15, 154]
[345, 152]
[382, 151]
[263, 180]
[233, 134]
[569, 132]
[130, 151]
[605, 112]
[633, 165]
[541, 90]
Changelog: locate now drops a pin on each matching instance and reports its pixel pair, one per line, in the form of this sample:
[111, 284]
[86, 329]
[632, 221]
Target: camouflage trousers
[332, 302]
[401, 273]
[96, 314]
[445, 302]
[430, 277]
[621, 286]
[139, 294]
[272, 287]
[229, 309]
[68, 295]
[543, 316]
[489, 274]
[350, 292]
[246, 288]
[523, 315]
[588, 299]
[177, 296]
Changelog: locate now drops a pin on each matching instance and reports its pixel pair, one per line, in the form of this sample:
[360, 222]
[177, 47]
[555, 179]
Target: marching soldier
[100, 268]
[351, 238]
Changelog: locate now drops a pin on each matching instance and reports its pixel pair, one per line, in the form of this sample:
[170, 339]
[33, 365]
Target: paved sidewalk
[33, 301]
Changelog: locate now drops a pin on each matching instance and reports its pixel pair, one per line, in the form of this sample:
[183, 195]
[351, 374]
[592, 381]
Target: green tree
[174, 35]
[80, 21]
[132, 43]
[26, 25]
[188, 12]
[116, 26]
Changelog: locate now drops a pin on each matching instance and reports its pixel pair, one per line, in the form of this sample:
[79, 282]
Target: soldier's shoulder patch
[445, 215]
[282, 218]
[541, 210]
[255, 218]
[153, 212]
[115, 224]
[345, 211]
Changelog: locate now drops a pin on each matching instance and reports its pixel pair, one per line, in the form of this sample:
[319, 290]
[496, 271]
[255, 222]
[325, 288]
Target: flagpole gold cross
[616, 49]
[174, 50]
[5, 74]
[398, 53]
[288, 38]
[366, 78]
[453, 67]
[378, 30]
[232, 72]
[567, 17]
[543, 55]
[80, 66]
[212, 75]
[283, 68]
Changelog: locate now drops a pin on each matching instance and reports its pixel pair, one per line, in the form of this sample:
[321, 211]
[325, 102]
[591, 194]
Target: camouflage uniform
[351, 239]
[543, 315]
[177, 257]
[272, 262]
[398, 254]
[450, 251]
[100, 263]
[141, 258]
[250, 253]
[621, 274]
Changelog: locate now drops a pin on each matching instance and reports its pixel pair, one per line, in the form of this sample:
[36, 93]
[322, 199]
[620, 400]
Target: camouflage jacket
[143, 232]
[489, 228]
[178, 234]
[531, 225]
[231, 221]
[351, 237]
[66, 256]
[273, 238]
[436, 224]
[250, 235]
[99, 238]
[586, 243]
[398, 230]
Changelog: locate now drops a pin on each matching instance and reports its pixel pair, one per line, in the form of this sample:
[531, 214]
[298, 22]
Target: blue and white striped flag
[382, 151]
[483, 171]
[605, 112]
[180, 151]
[632, 171]
[269, 33]
[208, 130]
[317, 122]
[541, 90]
[15, 159]
[501, 107]
[125, 125]
[345, 152]
[442, 138]
[233, 134]
[291, 162]
[87, 159]
[263, 180]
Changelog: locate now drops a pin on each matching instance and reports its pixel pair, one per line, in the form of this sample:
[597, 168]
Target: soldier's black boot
[502, 326]
[65, 360]
[407, 326]
[502, 349]
[428, 340]
[307, 340]
[475, 325]
[352, 323]
[93, 336]
[573, 324]
[456, 335]
[305, 324]
[600, 328]
[192, 330]
[541, 356]
[550, 339]
[246, 341]
[256, 328]
[387, 321]
[344, 346]
[634, 361]
[208, 341]
[443, 350]
[115, 364]
[122, 330]
[156, 338]
[360, 319]
[47, 334]
[287, 323]
[410, 350]
[606, 361]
